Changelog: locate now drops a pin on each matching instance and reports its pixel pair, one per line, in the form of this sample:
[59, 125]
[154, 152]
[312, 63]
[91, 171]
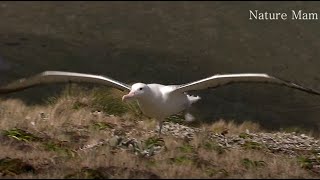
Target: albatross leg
[160, 126]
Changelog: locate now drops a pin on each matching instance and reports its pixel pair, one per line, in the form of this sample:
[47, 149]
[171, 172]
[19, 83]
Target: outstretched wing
[221, 80]
[48, 77]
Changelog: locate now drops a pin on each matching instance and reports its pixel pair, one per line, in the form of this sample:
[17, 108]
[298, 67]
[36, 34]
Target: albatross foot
[189, 117]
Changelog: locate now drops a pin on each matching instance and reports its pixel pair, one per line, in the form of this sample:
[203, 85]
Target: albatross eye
[140, 88]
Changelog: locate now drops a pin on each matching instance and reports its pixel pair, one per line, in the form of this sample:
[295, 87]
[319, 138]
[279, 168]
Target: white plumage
[155, 100]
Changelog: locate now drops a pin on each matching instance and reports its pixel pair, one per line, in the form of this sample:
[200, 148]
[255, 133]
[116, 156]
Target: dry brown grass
[69, 128]
[232, 127]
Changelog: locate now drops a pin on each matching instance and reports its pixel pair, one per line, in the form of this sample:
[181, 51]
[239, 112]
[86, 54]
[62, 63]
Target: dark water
[172, 43]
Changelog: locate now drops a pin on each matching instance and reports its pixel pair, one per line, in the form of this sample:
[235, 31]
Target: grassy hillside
[170, 42]
[85, 135]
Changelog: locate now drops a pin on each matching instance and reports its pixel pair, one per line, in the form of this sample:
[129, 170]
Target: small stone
[130, 146]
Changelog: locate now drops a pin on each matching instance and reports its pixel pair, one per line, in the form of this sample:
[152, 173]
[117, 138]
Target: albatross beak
[128, 96]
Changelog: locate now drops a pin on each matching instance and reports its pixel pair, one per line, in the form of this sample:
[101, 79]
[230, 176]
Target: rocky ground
[292, 143]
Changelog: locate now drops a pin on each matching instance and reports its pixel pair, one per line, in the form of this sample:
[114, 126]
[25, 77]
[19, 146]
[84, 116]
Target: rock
[114, 141]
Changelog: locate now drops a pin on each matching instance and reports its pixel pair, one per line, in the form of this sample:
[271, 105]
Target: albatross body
[156, 97]
[155, 100]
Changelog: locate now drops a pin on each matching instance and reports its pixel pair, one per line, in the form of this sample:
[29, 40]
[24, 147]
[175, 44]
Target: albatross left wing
[225, 79]
[49, 77]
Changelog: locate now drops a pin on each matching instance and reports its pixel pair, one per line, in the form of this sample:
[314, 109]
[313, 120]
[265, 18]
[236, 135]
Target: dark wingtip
[297, 86]
[7, 91]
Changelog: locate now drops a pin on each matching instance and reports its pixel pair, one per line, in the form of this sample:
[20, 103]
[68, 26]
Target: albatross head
[138, 90]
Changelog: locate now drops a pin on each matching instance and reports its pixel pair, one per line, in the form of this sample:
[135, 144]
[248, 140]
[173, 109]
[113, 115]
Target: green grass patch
[245, 136]
[176, 118]
[103, 125]
[109, 101]
[51, 100]
[305, 162]
[295, 129]
[59, 148]
[252, 163]
[210, 145]
[252, 145]
[87, 173]
[14, 166]
[181, 159]
[154, 141]
[79, 105]
[214, 172]
[21, 135]
[186, 148]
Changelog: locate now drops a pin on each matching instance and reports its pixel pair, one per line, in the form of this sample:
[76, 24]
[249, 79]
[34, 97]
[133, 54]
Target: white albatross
[155, 100]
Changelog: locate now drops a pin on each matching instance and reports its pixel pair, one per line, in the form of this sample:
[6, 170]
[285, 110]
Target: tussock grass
[47, 140]
[232, 127]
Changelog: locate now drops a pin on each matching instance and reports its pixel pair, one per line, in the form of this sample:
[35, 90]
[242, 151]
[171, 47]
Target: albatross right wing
[225, 79]
[49, 77]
